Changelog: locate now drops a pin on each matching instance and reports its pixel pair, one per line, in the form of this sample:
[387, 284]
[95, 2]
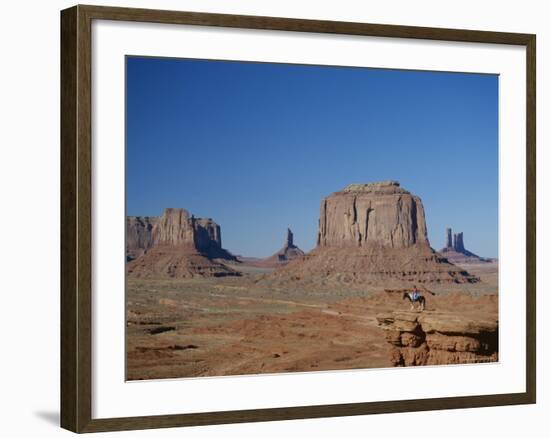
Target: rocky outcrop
[449, 238]
[288, 252]
[458, 242]
[382, 214]
[371, 234]
[139, 235]
[289, 241]
[175, 244]
[167, 261]
[440, 338]
[456, 253]
[175, 227]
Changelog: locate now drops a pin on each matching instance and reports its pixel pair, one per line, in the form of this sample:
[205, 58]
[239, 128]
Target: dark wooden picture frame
[76, 218]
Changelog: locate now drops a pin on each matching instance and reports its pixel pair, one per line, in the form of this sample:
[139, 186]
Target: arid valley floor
[232, 325]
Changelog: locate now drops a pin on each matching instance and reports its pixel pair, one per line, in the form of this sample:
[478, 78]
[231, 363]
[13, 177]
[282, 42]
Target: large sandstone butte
[377, 214]
[455, 252]
[440, 338]
[175, 244]
[371, 234]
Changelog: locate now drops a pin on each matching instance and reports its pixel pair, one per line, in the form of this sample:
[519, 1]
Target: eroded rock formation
[382, 214]
[175, 244]
[371, 234]
[440, 338]
[139, 235]
[174, 227]
[289, 241]
[455, 252]
[449, 238]
[288, 252]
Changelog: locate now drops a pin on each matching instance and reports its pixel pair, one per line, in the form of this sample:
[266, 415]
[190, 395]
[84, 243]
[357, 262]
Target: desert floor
[232, 326]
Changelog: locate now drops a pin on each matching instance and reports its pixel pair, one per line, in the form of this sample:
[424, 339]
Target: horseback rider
[415, 295]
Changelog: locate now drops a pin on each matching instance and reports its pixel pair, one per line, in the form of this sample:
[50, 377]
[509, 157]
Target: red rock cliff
[377, 213]
[175, 227]
[175, 244]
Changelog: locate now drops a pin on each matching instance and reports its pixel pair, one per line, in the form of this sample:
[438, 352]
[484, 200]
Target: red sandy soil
[232, 326]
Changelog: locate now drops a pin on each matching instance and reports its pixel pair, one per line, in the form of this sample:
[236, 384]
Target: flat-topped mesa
[381, 214]
[175, 227]
[175, 244]
[369, 234]
[382, 187]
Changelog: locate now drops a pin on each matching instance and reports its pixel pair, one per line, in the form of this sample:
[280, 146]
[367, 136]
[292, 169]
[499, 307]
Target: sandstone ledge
[440, 338]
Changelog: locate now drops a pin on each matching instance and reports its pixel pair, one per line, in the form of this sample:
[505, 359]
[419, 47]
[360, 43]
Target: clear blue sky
[257, 146]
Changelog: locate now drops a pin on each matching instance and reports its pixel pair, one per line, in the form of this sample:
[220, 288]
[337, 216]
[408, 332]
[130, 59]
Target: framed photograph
[271, 218]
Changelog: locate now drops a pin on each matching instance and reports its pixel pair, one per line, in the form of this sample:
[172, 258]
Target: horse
[415, 298]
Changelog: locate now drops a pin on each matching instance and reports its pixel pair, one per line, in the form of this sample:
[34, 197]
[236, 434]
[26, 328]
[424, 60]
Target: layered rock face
[371, 234]
[438, 338]
[175, 244]
[382, 214]
[455, 252]
[174, 227]
[139, 235]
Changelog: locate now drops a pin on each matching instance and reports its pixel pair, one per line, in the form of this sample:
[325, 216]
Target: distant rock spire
[288, 252]
[449, 240]
[289, 243]
[459, 243]
[455, 251]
